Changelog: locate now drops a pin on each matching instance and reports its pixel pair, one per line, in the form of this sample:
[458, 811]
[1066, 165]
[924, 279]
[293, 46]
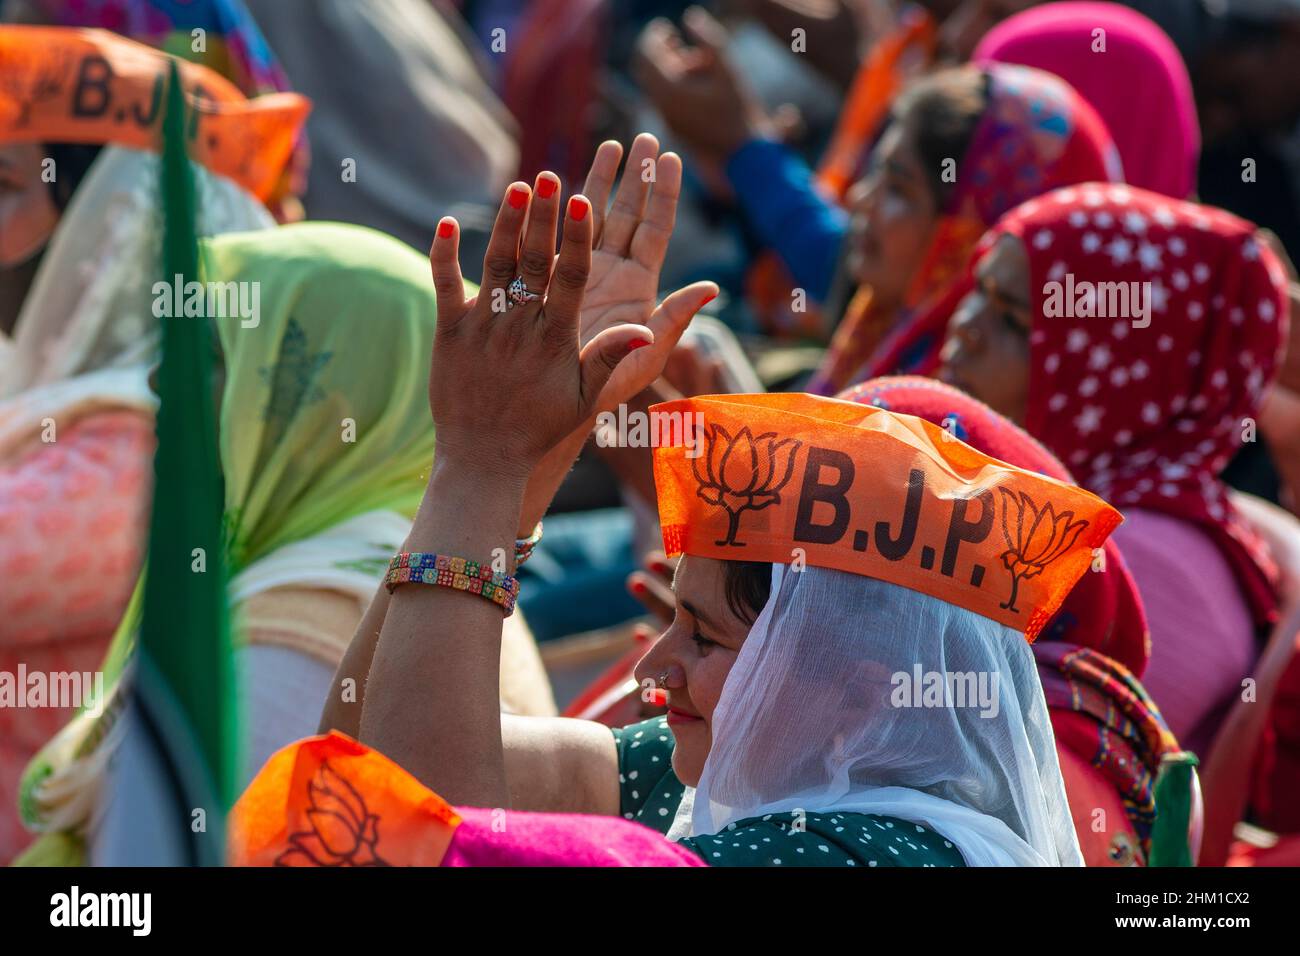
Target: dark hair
[71, 163]
[747, 585]
[943, 110]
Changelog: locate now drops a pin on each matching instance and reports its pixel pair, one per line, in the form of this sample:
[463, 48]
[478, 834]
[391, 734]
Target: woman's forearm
[342, 711]
[432, 701]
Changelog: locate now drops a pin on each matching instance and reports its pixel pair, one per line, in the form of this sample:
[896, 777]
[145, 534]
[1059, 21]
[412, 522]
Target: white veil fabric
[90, 308]
[821, 712]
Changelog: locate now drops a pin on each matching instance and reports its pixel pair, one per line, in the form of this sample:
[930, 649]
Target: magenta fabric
[1139, 84]
[515, 838]
[1202, 635]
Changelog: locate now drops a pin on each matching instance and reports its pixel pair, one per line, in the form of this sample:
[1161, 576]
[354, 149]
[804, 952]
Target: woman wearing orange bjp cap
[848, 676]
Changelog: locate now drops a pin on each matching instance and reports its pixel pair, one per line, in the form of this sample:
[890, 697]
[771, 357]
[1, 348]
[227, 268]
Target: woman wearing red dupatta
[1035, 133]
[1148, 401]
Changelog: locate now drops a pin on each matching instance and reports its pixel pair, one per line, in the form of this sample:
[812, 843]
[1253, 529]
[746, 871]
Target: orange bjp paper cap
[793, 479]
[330, 801]
[68, 85]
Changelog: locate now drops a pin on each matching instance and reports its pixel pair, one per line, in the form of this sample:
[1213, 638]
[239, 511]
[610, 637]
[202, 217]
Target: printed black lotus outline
[343, 831]
[1035, 543]
[743, 473]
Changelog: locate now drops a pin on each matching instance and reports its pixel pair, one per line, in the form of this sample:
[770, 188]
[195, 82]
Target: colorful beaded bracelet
[415, 567]
[524, 546]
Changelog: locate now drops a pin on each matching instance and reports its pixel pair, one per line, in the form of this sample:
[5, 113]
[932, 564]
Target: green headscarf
[324, 418]
[325, 411]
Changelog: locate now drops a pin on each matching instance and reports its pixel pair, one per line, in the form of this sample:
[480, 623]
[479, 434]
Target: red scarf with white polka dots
[1148, 417]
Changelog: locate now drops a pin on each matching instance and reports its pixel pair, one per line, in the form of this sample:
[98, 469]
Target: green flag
[185, 689]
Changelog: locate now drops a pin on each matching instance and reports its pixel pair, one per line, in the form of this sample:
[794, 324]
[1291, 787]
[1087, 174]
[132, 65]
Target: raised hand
[696, 87]
[509, 377]
[630, 242]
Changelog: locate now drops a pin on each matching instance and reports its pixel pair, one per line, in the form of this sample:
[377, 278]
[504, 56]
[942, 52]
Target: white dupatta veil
[810, 718]
[86, 335]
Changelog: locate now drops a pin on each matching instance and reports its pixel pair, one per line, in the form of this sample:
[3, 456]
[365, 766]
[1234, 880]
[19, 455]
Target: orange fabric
[330, 801]
[868, 491]
[892, 62]
[63, 85]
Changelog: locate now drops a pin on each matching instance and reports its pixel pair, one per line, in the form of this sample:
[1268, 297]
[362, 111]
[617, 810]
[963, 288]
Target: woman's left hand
[509, 380]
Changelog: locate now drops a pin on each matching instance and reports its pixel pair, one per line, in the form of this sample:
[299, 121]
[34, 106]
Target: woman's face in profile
[28, 215]
[695, 654]
[986, 353]
[894, 214]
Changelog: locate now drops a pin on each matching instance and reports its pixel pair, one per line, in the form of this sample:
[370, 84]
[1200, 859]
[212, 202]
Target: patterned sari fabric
[1149, 417]
[1092, 652]
[1111, 719]
[232, 44]
[317, 425]
[1142, 91]
[1036, 134]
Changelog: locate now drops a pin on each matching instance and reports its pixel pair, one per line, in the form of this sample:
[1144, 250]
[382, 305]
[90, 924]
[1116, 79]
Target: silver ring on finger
[519, 293]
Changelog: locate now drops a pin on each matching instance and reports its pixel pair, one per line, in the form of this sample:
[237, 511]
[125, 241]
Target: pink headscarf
[1139, 84]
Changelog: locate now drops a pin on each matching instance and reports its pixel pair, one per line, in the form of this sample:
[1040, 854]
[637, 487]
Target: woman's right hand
[509, 381]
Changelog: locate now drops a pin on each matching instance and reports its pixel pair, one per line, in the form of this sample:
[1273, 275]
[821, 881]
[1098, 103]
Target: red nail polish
[708, 300]
[518, 196]
[659, 697]
[546, 187]
[578, 211]
[637, 344]
[445, 230]
[638, 588]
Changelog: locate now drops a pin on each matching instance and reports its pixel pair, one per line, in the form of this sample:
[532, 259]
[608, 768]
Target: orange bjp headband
[799, 479]
[66, 85]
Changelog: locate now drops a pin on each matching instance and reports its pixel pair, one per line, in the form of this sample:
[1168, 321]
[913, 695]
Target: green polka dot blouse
[649, 793]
